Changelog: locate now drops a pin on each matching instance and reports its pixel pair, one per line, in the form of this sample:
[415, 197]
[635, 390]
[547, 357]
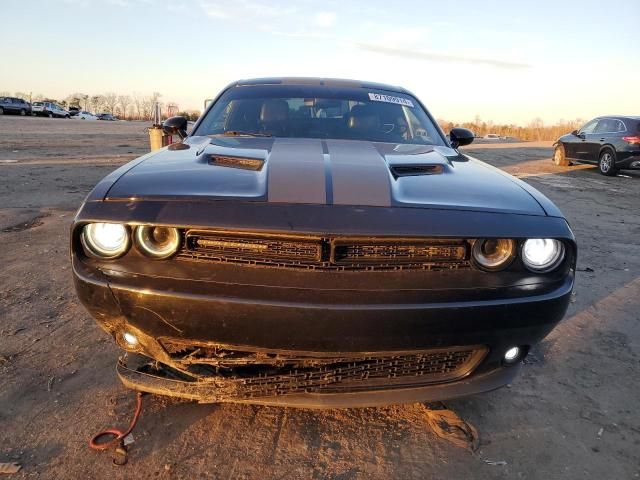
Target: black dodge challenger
[319, 243]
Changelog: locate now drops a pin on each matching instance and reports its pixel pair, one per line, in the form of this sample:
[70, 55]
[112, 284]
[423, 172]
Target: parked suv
[106, 116]
[613, 143]
[14, 105]
[49, 109]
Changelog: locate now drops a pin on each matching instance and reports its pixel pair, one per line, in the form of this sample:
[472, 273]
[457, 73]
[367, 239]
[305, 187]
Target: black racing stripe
[296, 171]
[360, 175]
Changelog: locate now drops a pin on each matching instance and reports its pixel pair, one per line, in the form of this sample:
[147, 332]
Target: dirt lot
[573, 413]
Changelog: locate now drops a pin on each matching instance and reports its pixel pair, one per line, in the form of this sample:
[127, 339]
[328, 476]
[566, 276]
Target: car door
[604, 133]
[579, 149]
[10, 105]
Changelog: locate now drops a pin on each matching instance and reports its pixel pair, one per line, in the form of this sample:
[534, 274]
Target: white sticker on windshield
[377, 97]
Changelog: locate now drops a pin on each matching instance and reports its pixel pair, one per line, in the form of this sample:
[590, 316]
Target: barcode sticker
[378, 97]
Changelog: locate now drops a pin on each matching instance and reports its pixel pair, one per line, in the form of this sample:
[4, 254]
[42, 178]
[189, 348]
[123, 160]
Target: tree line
[535, 130]
[136, 106]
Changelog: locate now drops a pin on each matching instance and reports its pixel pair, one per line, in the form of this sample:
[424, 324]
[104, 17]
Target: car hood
[331, 172]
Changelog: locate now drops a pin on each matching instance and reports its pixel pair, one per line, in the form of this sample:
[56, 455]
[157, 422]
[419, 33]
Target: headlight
[158, 242]
[105, 240]
[494, 253]
[542, 254]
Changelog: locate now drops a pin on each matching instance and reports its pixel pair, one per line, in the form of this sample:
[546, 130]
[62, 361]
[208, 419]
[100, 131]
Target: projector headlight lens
[158, 242]
[542, 254]
[105, 240]
[494, 253]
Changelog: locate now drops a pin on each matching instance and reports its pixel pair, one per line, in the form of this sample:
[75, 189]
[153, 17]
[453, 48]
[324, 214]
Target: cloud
[245, 10]
[325, 19]
[274, 17]
[437, 57]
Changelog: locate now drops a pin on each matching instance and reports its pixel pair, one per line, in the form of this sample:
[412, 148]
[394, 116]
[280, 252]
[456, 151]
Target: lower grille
[319, 253]
[243, 374]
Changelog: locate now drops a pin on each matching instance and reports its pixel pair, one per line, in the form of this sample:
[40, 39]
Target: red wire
[117, 434]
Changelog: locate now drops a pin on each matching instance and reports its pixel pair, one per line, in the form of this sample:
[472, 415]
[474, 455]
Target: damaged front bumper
[138, 373]
[212, 342]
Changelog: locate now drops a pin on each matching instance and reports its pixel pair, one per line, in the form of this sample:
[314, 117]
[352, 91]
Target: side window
[621, 128]
[604, 125]
[589, 127]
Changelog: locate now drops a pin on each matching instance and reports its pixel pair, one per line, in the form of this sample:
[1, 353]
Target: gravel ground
[571, 414]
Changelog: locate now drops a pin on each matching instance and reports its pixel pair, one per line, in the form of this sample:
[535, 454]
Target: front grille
[320, 253]
[245, 374]
[346, 252]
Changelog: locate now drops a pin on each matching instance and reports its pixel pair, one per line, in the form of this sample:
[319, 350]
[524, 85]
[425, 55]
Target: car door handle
[602, 139]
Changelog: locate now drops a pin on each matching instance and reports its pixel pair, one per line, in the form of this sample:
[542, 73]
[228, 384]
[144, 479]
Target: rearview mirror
[175, 126]
[460, 137]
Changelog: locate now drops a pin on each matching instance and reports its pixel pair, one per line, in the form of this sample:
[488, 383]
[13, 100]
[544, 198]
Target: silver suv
[49, 109]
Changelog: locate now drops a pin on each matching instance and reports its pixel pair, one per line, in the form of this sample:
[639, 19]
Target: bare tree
[96, 103]
[138, 101]
[75, 99]
[110, 100]
[148, 104]
[23, 95]
[124, 101]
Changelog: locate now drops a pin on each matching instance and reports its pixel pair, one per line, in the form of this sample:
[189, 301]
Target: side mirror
[574, 133]
[460, 137]
[175, 126]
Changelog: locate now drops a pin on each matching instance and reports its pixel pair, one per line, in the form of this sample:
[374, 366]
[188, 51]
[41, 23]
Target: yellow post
[155, 138]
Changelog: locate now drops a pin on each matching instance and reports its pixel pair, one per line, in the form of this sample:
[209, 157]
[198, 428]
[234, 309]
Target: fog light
[130, 339]
[512, 355]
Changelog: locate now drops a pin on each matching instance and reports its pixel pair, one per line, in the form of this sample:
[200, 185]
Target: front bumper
[130, 371]
[194, 312]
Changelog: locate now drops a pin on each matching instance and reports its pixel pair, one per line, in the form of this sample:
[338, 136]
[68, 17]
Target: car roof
[620, 117]
[318, 81]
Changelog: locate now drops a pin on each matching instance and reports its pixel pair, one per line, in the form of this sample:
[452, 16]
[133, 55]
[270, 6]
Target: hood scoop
[410, 170]
[242, 163]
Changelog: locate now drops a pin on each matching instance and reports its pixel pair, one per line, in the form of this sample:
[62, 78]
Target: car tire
[607, 163]
[1, 111]
[23, 112]
[50, 115]
[67, 116]
[559, 157]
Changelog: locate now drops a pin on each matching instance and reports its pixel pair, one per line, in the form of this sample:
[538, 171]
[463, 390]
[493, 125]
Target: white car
[82, 115]
[492, 136]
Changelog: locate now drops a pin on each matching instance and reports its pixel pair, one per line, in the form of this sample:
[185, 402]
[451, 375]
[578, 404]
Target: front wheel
[1, 111]
[559, 157]
[67, 116]
[607, 163]
[23, 112]
[50, 115]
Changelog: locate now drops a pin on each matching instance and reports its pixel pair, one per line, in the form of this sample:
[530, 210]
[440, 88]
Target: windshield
[320, 112]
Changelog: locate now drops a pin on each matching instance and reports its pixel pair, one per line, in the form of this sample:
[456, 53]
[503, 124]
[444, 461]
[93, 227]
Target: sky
[504, 61]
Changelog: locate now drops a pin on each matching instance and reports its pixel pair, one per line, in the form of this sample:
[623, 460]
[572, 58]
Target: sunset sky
[505, 61]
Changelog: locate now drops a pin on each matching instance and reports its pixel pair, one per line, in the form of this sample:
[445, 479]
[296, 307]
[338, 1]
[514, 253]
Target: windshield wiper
[239, 133]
